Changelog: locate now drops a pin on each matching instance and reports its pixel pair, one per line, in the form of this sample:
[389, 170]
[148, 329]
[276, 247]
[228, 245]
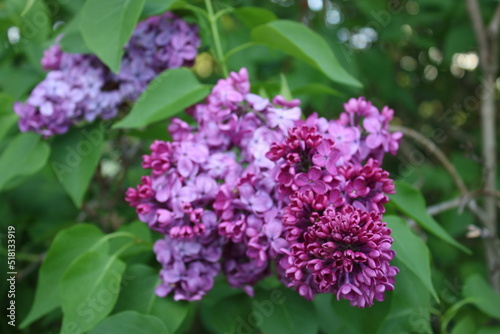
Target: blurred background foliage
[417, 56]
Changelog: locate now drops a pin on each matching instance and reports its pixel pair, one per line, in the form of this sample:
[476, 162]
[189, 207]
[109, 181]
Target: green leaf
[302, 43]
[362, 320]
[36, 20]
[89, 290]
[465, 325]
[138, 294]
[107, 25]
[25, 155]
[168, 94]
[254, 16]
[412, 251]
[285, 90]
[482, 295]
[72, 40]
[67, 246]
[7, 116]
[283, 311]
[155, 7]
[141, 231]
[328, 320]
[411, 202]
[315, 89]
[228, 315]
[130, 322]
[6, 103]
[410, 305]
[75, 156]
[488, 330]
[28, 6]
[6, 123]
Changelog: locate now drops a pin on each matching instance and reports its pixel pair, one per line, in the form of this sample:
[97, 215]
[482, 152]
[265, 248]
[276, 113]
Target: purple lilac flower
[336, 240]
[251, 183]
[81, 88]
[345, 252]
[216, 177]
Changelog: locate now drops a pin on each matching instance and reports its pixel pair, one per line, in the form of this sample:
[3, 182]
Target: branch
[433, 149]
[479, 30]
[444, 206]
[495, 22]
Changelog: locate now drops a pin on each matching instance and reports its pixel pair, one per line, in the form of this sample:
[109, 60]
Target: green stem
[238, 49]
[219, 54]
[451, 312]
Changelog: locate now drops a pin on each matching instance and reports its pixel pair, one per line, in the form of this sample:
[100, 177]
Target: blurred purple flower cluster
[251, 184]
[81, 88]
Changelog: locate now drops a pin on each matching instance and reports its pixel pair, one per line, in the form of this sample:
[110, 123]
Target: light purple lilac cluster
[81, 88]
[252, 184]
[212, 193]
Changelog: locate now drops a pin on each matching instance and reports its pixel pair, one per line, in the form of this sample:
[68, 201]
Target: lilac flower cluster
[337, 241]
[252, 183]
[212, 193]
[81, 88]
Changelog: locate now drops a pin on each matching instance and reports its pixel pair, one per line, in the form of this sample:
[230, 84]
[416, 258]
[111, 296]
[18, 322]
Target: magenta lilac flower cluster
[253, 185]
[81, 88]
[212, 193]
[333, 224]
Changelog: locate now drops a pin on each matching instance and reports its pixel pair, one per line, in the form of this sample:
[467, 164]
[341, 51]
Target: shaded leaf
[482, 295]
[130, 322]
[229, 315]
[59, 257]
[138, 294]
[315, 89]
[254, 16]
[284, 311]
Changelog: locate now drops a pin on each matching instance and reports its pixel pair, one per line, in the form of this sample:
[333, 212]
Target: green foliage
[283, 311]
[154, 105]
[25, 155]
[254, 16]
[482, 295]
[138, 294]
[130, 322]
[75, 157]
[411, 251]
[411, 202]
[89, 290]
[302, 43]
[61, 255]
[100, 277]
[107, 25]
